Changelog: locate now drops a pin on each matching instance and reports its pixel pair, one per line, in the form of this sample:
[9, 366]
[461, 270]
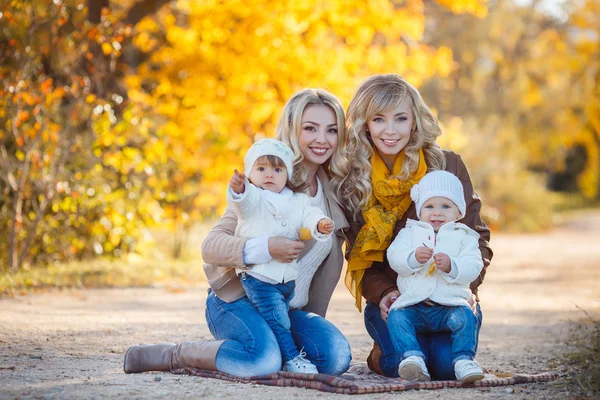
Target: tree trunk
[95, 10]
[142, 9]
[31, 232]
[12, 245]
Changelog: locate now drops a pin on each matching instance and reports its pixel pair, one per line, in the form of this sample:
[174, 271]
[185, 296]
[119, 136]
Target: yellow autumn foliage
[147, 119]
[227, 70]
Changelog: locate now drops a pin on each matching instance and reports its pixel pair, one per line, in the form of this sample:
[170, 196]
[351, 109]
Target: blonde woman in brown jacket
[313, 125]
[392, 143]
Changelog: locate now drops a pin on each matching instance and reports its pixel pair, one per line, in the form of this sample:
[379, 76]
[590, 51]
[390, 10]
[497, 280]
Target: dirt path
[71, 344]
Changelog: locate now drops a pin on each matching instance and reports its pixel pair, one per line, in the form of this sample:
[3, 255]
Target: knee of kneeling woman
[338, 360]
[268, 364]
[258, 365]
[268, 359]
[256, 358]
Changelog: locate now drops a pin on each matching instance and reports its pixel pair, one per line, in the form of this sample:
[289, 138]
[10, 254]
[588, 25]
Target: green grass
[155, 268]
[584, 359]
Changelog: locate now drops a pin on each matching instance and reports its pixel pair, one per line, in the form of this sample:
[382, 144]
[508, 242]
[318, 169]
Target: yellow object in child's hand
[431, 269]
[304, 234]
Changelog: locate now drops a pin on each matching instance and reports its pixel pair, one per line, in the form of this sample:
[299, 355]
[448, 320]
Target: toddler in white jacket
[267, 207]
[436, 259]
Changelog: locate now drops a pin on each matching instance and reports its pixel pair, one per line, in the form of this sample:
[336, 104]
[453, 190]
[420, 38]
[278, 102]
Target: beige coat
[222, 253]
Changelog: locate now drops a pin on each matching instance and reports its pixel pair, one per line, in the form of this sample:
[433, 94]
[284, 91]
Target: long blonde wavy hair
[290, 127]
[379, 94]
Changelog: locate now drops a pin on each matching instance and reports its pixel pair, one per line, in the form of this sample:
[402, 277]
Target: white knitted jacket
[262, 213]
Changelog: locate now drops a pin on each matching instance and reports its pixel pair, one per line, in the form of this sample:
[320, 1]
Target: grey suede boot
[201, 354]
[148, 357]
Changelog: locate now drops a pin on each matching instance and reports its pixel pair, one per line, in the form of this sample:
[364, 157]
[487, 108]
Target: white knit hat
[269, 147]
[438, 183]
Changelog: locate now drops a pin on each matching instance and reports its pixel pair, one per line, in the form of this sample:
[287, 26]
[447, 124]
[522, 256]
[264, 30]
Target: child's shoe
[413, 369]
[300, 365]
[468, 371]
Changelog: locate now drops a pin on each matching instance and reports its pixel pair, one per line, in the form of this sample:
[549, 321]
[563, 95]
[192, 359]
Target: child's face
[267, 176]
[439, 210]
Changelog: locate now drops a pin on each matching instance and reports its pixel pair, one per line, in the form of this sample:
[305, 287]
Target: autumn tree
[118, 115]
[227, 68]
[524, 93]
[63, 193]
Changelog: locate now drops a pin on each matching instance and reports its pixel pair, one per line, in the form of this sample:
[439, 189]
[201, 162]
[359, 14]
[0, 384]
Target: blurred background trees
[117, 117]
[525, 96]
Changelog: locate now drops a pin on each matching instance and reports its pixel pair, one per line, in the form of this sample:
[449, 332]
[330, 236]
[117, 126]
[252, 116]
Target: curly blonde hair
[379, 94]
[290, 127]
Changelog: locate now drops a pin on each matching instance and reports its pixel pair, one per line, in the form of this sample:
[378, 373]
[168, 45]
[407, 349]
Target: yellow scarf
[387, 204]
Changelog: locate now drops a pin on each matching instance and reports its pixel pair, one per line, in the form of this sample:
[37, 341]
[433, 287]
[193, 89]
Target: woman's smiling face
[390, 131]
[319, 134]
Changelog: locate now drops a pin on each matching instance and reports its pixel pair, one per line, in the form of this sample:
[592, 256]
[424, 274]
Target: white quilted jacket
[458, 241]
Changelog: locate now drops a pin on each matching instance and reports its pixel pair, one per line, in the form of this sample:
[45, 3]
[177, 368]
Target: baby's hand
[423, 254]
[237, 182]
[442, 262]
[325, 226]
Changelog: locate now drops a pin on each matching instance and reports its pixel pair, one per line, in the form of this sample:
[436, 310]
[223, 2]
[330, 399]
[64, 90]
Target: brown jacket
[380, 279]
[222, 252]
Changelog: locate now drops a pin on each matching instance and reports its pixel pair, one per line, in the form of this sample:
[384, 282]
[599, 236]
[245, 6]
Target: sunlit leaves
[475, 7]
[110, 128]
[227, 68]
[50, 82]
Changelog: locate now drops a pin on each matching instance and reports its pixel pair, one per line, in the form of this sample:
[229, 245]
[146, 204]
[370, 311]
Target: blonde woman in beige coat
[313, 125]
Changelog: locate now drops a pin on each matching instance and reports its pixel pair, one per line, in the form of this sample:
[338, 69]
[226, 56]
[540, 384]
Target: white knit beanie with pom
[442, 184]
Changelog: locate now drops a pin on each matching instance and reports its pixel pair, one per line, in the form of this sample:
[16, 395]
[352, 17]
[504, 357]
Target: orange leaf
[47, 85]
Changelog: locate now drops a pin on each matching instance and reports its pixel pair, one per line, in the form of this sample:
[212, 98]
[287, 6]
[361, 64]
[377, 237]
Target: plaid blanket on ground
[358, 381]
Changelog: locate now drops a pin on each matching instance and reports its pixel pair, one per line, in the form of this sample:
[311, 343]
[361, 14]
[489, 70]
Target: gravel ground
[70, 344]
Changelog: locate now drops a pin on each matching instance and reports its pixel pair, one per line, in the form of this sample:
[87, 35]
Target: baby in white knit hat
[436, 259]
[266, 206]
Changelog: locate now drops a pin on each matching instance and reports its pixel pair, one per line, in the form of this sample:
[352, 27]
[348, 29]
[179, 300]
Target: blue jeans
[436, 346]
[460, 321]
[272, 302]
[250, 347]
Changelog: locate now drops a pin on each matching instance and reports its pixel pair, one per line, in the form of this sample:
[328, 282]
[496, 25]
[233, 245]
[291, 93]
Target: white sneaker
[468, 371]
[301, 365]
[413, 369]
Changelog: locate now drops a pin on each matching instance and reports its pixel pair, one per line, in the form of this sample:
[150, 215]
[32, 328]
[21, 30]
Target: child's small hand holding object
[238, 181]
[423, 254]
[442, 262]
[325, 226]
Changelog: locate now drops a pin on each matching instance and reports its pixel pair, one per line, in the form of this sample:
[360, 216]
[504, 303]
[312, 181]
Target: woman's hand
[284, 249]
[386, 302]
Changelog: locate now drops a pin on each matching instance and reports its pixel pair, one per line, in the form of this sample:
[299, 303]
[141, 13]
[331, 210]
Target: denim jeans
[272, 302]
[460, 321]
[435, 346]
[250, 347]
